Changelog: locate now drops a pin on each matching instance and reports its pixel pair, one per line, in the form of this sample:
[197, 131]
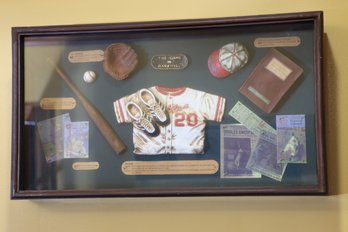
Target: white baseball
[89, 76]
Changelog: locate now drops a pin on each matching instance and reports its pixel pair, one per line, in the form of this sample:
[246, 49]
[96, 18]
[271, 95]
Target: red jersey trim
[220, 109]
[120, 111]
[170, 91]
[116, 112]
[217, 109]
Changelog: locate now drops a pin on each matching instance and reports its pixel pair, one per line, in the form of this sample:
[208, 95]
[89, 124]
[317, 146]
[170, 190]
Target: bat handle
[104, 127]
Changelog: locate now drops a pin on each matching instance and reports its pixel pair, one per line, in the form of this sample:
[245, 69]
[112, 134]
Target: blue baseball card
[291, 139]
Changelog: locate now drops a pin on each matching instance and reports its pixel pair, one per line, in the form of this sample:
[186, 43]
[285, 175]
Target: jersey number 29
[183, 119]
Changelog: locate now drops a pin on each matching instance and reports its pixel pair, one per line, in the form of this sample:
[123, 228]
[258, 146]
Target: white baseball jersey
[189, 110]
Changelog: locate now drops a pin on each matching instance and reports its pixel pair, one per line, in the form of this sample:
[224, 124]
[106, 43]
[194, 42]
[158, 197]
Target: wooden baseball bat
[104, 127]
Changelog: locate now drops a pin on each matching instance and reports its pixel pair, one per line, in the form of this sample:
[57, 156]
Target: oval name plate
[170, 167]
[169, 61]
[290, 41]
[62, 103]
[86, 56]
[85, 166]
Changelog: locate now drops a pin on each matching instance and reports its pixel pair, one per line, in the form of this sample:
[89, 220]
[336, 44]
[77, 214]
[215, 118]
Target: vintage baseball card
[76, 140]
[291, 139]
[237, 143]
[51, 132]
[264, 158]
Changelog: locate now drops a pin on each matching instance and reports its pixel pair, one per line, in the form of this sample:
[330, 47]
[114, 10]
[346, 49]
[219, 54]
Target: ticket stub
[251, 121]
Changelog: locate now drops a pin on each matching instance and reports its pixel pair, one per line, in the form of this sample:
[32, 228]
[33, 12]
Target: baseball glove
[119, 60]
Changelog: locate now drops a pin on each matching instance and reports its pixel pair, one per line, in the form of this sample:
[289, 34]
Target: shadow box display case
[203, 107]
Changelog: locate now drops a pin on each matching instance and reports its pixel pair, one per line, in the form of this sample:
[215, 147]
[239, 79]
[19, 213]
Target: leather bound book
[270, 80]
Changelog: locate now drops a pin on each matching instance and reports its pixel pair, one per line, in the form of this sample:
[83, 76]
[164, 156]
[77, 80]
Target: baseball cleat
[141, 120]
[155, 107]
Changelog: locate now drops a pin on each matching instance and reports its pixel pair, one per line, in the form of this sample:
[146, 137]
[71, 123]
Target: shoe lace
[159, 112]
[146, 124]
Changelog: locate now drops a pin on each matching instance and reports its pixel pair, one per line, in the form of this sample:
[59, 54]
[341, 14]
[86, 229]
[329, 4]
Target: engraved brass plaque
[86, 56]
[170, 167]
[169, 62]
[85, 166]
[290, 41]
[60, 103]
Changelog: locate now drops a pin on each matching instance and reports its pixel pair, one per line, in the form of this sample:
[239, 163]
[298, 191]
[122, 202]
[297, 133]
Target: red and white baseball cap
[227, 60]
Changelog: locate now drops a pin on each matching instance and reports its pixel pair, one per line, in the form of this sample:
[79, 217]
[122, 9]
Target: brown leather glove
[119, 60]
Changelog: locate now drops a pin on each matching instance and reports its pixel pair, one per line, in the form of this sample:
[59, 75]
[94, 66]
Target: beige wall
[329, 213]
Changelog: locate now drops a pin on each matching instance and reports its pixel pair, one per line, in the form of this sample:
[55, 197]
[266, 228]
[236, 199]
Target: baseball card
[51, 132]
[291, 139]
[237, 143]
[264, 158]
[76, 139]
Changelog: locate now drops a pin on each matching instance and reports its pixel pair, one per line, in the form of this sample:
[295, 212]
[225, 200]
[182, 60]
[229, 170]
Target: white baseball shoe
[155, 107]
[142, 120]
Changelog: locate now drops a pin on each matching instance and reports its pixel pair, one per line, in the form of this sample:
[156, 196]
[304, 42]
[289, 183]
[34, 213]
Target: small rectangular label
[259, 95]
[181, 167]
[291, 41]
[68, 103]
[278, 69]
[86, 56]
[85, 166]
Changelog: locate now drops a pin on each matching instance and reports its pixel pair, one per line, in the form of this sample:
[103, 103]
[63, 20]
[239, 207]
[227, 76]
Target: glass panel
[42, 170]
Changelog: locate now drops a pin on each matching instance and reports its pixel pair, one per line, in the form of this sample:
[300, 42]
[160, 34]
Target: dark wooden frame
[19, 33]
